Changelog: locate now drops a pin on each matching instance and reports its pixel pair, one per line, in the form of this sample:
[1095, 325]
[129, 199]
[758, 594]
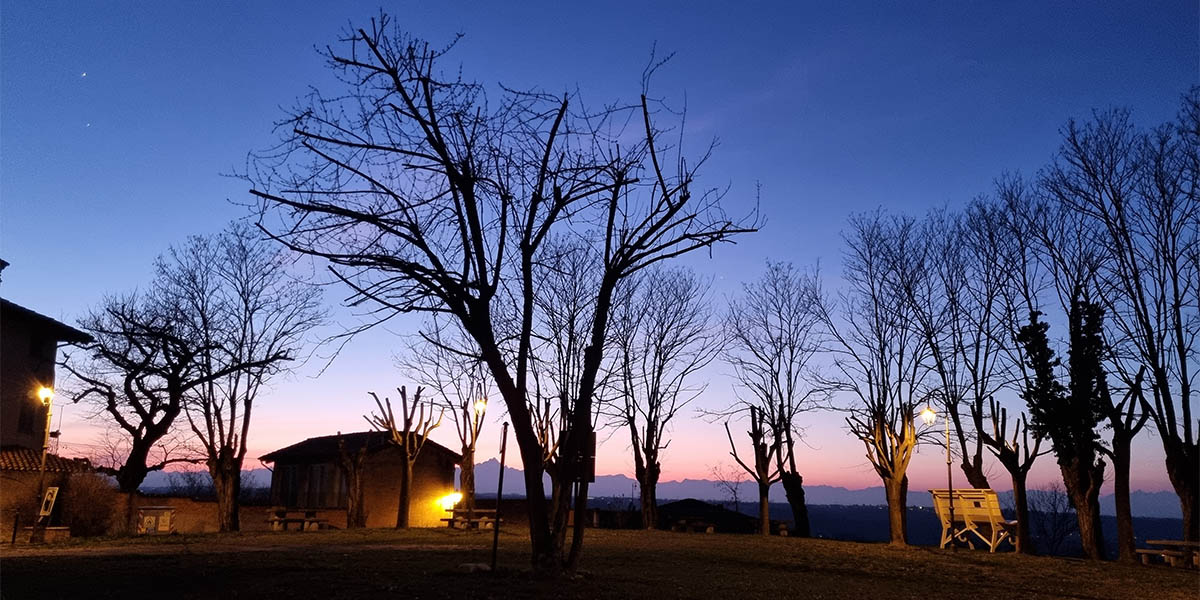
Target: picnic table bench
[976, 513]
[693, 525]
[476, 518]
[1177, 553]
[281, 519]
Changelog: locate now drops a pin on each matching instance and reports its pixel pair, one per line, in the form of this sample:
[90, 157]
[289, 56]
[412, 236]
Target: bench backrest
[969, 504]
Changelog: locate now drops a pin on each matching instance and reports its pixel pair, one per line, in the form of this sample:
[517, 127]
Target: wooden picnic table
[281, 519]
[1177, 553]
[473, 518]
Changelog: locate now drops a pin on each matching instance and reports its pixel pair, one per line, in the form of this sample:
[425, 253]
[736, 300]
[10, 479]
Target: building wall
[19, 493]
[200, 516]
[26, 363]
[433, 479]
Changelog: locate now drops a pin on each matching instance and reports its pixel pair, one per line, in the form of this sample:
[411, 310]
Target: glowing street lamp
[46, 395]
[481, 406]
[929, 417]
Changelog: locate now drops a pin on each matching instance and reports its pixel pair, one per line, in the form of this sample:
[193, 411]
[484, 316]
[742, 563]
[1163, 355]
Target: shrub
[88, 504]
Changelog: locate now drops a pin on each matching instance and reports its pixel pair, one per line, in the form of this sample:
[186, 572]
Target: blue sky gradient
[831, 107]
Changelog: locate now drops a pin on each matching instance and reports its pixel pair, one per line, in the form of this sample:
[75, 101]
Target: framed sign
[48, 501]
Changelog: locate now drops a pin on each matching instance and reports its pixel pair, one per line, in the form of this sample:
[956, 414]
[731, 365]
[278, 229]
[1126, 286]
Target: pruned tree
[424, 196]
[1138, 191]
[765, 469]
[663, 336]
[1017, 454]
[409, 435]
[462, 384]
[772, 333]
[234, 292]
[879, 355]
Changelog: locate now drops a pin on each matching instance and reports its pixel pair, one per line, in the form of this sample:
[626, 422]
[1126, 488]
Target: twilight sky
[117, 121]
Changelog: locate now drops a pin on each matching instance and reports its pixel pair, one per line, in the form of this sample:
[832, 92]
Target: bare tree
[729, 479]
[1139, 192]
[145, 362]
[765, 471]
[664, 335]
[879, 353]
[426, 196]
[409, 434]
[233, 292]
[1053, 517]
[953, 289]
[772, 333]
[462, 384]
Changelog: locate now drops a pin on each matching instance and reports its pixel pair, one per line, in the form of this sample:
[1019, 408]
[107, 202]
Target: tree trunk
[131, 474]
[648, 490]
[227, 485]
[226, 472]
[405, 500]
[1021, 505]
[466, 478]
[793, 487]
[1126, 548]
[973, 469]
[1083, 486]
[356, 515]
[897, 500]
[764, 509]
[1183, 469]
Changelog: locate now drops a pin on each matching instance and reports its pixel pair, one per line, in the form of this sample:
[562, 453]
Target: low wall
[200, 516]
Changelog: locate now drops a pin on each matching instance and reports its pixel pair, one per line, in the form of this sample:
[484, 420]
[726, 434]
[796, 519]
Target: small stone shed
[306, 476]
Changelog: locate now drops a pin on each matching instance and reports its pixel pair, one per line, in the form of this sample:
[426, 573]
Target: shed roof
[326, 447]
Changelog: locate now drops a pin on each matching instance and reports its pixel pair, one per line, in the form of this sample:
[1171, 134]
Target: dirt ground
[618, 564]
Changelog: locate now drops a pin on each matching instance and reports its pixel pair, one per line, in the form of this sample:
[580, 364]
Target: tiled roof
[325, 447]
[16, 458]
[61, 331]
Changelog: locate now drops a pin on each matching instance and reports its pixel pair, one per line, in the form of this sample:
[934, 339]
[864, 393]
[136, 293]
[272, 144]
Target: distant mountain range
[1145, 504]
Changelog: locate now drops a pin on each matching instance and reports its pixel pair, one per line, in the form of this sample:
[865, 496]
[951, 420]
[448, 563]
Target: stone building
[28, 351]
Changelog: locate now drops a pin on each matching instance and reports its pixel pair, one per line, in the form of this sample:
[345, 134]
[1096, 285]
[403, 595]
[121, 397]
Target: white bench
[976, 513]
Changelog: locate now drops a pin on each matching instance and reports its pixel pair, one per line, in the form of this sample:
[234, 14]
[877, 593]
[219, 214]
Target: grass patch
[424, 563]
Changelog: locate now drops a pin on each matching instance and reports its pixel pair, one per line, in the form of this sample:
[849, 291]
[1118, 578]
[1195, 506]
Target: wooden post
[499, 495]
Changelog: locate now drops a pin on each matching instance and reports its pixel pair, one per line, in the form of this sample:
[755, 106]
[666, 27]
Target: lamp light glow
[449, 500]
[480, 406]
[928, 416]
[45, 394]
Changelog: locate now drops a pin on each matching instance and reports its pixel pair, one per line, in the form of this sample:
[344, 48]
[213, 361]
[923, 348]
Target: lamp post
[928, 416]
[46, 395]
